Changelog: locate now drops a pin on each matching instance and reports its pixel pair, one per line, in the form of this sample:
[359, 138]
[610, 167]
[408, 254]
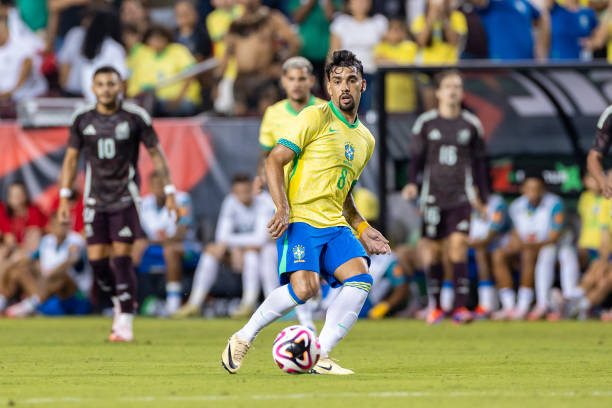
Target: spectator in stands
[63, 16]
[219, 21]
[390, 8]
[162, 59]
[100, 45]
[135, 13]
[360, 32]
[397, 49]
[69, 72]
[601, 36]
[476, 39]
[170, 243]
[21, 222]
[190, 32]
[16, 278]
[570, 25]
[241, 233]
[20, 76]
[509, 25]
[34, 13]
[253, 40]
[64, 277]
[313, 18]
[440, 33]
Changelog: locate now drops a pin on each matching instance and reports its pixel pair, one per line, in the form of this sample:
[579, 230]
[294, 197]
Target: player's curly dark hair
[343, 58]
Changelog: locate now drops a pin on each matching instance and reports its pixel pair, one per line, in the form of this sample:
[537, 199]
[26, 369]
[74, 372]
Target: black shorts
[104, 227]
[439, 224]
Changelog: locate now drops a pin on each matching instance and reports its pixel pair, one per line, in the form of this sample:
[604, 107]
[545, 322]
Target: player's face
[157, 187]
[107, 87]
[450, 92]
[533, 188]
[243, 192]
[297, 84]
[345, 87]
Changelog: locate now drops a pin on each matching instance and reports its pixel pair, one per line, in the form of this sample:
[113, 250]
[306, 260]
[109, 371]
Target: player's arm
[160, 164]
[603, 141]
[542, 45]
[417, 161]
[274, 164]
[373, 241]
[480, 172]
[69, 170]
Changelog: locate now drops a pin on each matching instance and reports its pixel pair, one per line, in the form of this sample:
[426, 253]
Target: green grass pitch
[68, 363]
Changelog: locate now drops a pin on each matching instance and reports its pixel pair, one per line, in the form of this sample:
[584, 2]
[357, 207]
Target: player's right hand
[63, 211]
[410, 192]
[279, 223]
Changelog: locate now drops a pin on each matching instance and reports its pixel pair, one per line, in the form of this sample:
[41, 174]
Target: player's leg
[173, 256]
[432, 261]
[486, 291]
[123, 228]
[22, 277]
[502, 258]
[457, 253]
[525, 295]
[268, 263]
[299, 252]
[544, 278]
[447, 291]
[250, 282]
[204, 278]
[570, 271]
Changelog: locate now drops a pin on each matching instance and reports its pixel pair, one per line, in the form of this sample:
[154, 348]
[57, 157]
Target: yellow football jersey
[595, 216]
[277, 120]
[330, 156]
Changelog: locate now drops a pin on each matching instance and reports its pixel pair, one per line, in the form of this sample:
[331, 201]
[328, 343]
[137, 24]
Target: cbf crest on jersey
[463, 136]
[122, 131]
[349, 151]
[298, 253]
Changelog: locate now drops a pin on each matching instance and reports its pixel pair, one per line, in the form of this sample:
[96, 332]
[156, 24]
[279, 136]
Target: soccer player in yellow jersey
[311, 173]
[297, 81]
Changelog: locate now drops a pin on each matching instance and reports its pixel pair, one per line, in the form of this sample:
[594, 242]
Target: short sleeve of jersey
[75, 139]
[458, 22]
[603, 136]
[148, 136]
[604, 217]
[266, 137]
[557, 216]
[182, 57]
[369, 155]
[306, 127]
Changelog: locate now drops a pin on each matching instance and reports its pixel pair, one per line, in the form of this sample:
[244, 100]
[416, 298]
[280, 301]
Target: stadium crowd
[53, 47]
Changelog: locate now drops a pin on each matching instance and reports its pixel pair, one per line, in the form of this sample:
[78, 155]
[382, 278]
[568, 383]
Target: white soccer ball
[296, 350]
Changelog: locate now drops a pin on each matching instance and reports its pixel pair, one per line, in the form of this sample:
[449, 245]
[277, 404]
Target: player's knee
[305, 285]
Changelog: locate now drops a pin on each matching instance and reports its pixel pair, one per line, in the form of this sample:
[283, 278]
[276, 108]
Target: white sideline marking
[571, 394]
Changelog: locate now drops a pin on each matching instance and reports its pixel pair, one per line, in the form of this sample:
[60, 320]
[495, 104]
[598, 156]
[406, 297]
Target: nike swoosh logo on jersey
[333, 130]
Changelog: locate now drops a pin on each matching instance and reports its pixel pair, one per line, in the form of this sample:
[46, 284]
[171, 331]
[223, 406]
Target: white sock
[2, 302]
[507, 298]
[250, 278]
[584, 304]
[277, 304]
[268, 263]
[304, 315]
[341, 316]
[174, 294]
[447, 296]
[204, 278]
[570, 271]
[486, 295]
[525, 298]
[544, 275]
[578, 293]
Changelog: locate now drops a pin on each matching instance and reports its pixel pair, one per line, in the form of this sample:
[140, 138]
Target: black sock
[434, 281]
[103, 275]
[125, 280]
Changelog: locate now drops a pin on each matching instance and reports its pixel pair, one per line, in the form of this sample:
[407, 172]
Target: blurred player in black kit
[448, 149]
[109, 135]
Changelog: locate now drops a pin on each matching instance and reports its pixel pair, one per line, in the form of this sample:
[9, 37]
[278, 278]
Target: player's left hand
[172, 207]
[374, 242]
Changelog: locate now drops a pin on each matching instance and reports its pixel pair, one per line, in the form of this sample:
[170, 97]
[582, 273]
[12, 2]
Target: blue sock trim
[296, 299]
[447, 284]
[363, 282]
[485, 283]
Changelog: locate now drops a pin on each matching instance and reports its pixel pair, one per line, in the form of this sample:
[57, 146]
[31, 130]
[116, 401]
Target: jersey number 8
[106, 148]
